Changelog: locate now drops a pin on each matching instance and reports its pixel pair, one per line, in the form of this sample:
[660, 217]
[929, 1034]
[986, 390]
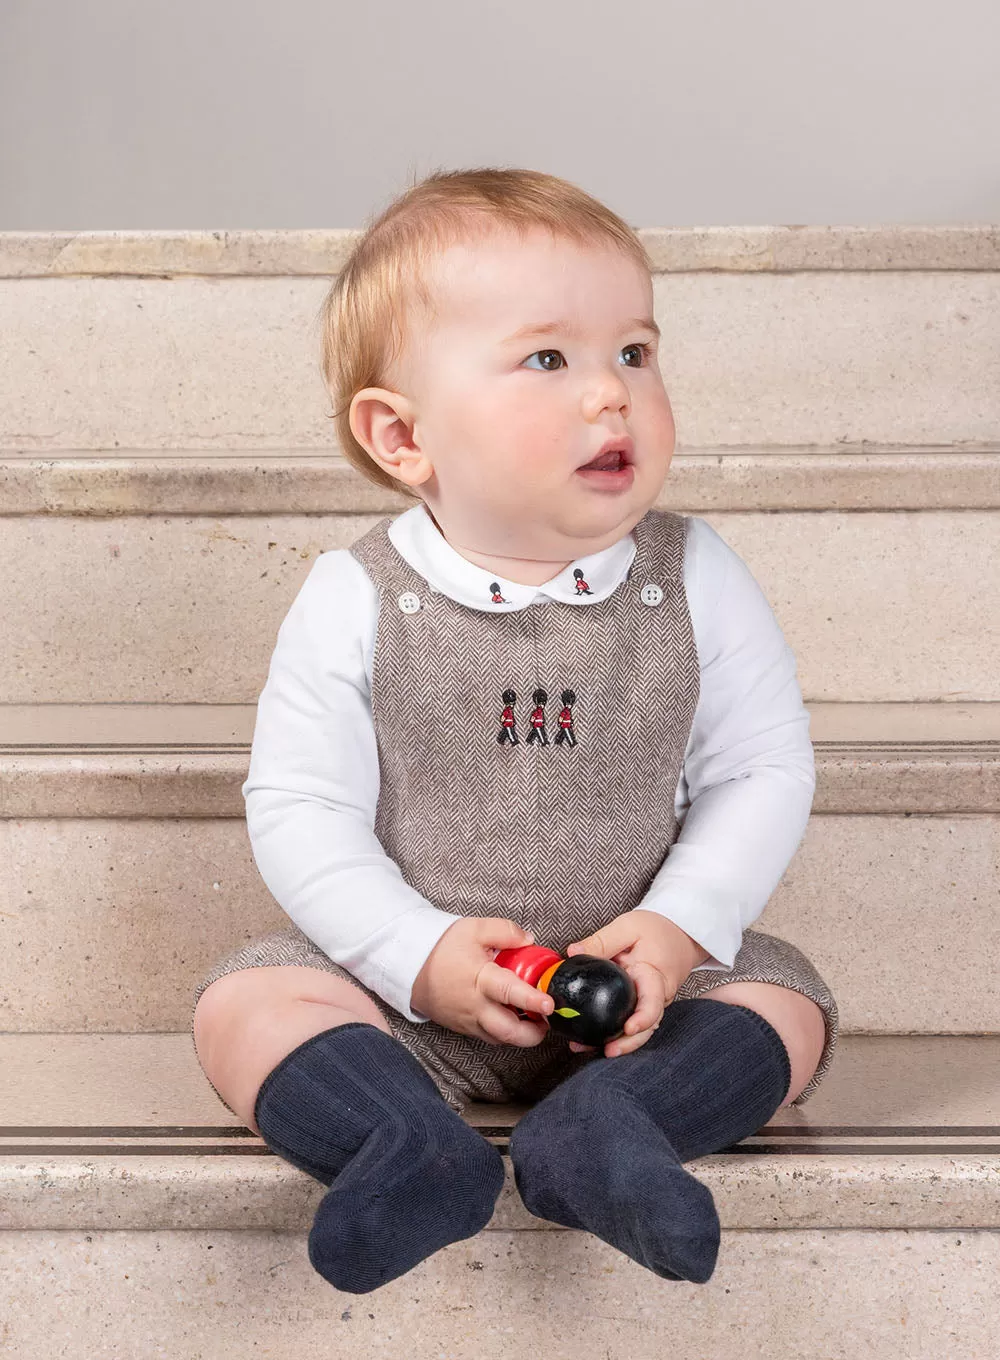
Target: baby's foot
[588, 1161]
[411, 1189]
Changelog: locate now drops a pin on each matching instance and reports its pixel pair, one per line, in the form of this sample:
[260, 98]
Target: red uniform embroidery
[566, 733]
[538, 733]
[507, 731]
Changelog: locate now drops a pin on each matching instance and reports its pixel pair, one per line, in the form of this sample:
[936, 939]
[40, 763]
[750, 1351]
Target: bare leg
[247, 1021]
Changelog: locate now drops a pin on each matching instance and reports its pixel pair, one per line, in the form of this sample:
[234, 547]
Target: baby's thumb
[506, 934]
[593, 944]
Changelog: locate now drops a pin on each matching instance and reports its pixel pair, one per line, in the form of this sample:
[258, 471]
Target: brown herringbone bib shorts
[562, 824]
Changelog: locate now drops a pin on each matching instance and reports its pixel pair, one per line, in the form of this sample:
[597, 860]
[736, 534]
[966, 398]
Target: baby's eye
[546, 368]
[643, 352]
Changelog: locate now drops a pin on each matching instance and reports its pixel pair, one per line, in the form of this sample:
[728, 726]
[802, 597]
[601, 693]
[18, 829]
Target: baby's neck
[518, 569]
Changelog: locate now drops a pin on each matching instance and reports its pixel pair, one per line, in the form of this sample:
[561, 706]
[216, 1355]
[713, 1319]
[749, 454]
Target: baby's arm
[313, 785]
[749, 766]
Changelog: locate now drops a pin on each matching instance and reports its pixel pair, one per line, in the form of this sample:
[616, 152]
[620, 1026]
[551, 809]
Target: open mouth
[612, 469]
[616, 456]
[612, 461]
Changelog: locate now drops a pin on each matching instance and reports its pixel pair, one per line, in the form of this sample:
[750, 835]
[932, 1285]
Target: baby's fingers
[505, 987]
[652, 994]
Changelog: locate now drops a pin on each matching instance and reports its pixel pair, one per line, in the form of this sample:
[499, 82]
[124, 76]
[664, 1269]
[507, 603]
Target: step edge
[738, 480]
[178, 728]
[771, 248]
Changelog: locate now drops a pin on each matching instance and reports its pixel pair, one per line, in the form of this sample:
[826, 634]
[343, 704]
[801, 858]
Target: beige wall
[118, 114]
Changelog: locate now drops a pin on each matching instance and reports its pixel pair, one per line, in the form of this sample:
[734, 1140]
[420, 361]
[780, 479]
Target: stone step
[852, 1294]
[87, 1106]
[781, 336]
[121, 826]
[180, 482]
[282, 253]
[291, 481]
[190, 760]
[894, 606]
[137, 1213]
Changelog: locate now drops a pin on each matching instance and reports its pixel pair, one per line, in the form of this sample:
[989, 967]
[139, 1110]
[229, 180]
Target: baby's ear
[382, 423]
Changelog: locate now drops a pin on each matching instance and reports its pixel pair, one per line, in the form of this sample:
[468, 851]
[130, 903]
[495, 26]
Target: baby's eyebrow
[538, 328]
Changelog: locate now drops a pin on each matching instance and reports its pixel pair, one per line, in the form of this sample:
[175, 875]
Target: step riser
[925, 733]
[853, 1294]
[896, 606]
[111, 924]
[233, 362]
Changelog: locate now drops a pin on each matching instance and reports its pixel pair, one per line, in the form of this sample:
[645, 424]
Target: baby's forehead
[476, 279]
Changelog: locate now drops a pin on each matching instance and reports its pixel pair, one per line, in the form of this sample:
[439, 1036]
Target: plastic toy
[593, 996]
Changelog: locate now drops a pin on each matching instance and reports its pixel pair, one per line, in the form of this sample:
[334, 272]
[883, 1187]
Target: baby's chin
[570, 534]
[600, 516]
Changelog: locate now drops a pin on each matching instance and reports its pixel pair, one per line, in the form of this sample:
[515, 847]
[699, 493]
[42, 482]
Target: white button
[651, 594]
[408, 602]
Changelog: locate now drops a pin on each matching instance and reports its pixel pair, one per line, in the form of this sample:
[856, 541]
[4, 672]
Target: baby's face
[507, 421]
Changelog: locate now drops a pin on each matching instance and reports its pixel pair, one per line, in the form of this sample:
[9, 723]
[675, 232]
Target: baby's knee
[246, 1022]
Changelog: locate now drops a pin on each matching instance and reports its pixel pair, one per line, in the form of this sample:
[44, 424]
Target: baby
[529, 708]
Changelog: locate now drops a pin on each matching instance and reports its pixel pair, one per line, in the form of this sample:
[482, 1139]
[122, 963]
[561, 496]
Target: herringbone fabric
[560, 836]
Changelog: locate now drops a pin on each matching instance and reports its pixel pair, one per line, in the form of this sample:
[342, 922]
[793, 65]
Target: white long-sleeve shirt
[743, 798]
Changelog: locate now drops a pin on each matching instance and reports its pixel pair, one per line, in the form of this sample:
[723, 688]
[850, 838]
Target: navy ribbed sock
[603, 1150]
[353, 1108]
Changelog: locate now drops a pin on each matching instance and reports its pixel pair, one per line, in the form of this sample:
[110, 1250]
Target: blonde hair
[363, 318]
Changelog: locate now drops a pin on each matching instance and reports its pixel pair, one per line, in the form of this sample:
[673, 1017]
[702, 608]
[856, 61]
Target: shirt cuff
[390, 969]
[707, 914]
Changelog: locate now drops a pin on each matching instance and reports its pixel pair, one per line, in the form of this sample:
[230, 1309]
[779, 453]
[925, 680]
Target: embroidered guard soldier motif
[538, 733]
[581, 585]
[497, 597]
[507, 731]
[566, 732]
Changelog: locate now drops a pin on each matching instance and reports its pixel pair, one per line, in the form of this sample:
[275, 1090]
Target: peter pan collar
[585, 581]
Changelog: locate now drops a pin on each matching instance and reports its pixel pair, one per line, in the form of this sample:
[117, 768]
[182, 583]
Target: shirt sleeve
[312, 790]
[749, 769]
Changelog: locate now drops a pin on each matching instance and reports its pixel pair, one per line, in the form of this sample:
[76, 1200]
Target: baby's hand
[461, 987]
[657, 955]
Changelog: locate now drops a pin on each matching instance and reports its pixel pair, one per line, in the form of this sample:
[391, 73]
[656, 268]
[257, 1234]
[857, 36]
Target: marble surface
[743, 249]
[189, 606]
[111, 922]
[748, 358]
[124, 1131]
[149, 482]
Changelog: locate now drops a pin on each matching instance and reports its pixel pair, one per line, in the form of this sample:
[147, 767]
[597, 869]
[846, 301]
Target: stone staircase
[167, 479]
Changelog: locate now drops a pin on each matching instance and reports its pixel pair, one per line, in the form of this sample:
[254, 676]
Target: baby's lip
[621, 444]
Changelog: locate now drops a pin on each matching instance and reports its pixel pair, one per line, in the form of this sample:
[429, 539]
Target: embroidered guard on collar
[497, 597]
[581, 585]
